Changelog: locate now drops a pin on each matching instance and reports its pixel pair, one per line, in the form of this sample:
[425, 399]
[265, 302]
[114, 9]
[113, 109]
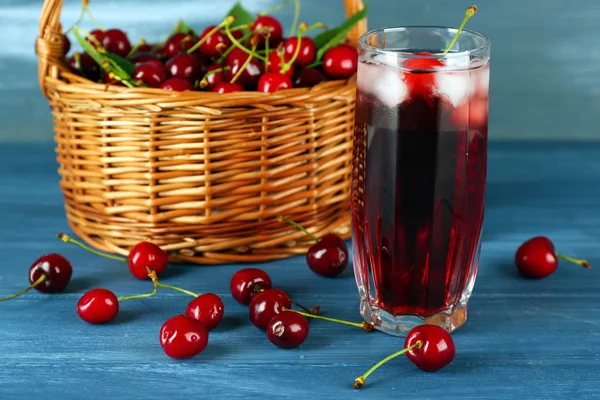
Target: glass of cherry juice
[418, 174]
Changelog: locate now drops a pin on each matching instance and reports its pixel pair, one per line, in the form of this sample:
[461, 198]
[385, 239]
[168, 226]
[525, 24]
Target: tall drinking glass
[419, 173]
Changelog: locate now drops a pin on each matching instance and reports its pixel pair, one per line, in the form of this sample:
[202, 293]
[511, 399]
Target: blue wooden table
[523, 340]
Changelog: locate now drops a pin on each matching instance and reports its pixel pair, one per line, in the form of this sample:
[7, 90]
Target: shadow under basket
[200, 174]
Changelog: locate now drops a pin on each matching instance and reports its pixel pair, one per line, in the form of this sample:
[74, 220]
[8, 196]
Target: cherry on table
[247, 283]
[306, 54]
[340, 62]
[144, 256]
[184, 66]
[265, 305]
[213, 42]
[98, 306]
[287, 330]
[150, 74]
[183, 337]
[227, 87]
[537, 258]
[271, 26]
[177, 85]
[178, 43]
[207, 308]
[116, 41]
[309, 77]
[56, 268]
[273, 81]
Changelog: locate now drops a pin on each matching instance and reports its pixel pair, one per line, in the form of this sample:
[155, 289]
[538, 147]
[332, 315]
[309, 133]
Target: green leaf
[182, 27]
[332, 37]
[242, 16]
[123, 63]
[87, 47]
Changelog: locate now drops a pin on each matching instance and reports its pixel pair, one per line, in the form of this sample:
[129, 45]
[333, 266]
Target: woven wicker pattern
[200, 174]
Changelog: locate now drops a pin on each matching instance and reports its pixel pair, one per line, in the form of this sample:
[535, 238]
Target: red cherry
[183, 337]
[98, 35]
[145, 48]
[178, 43]
[218, 40]
[226, 87]
[177, 85]
[249, 76]
[272, 26]
[307, 50]
[147, 255]
[273, 81]
[116, 41]
[275, 64]
[536, 258]
[87, 67]
[328, 257]
[206, 308]
[140, 57]
[112, 81]
[247, 282]
[185, 66]
[98, 306]
[265, 305]
[58, 271]
[437, 347]
[66, 44]
[150, 74]
[340, 62]
[287, 330]
[309, 77]
[215, 77]
[420, 80]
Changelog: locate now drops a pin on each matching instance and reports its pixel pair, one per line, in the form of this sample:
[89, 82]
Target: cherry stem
[267, 36]
[296, 17]
[162, 285]
[238, 44]
[227, 21]
[468, 14]
[94, 20]
[245, 64]
[297, 225]
[364, 325]
[301, 29]
[204, 81]
[136, 47]
[360, 381]
[40, 280]
[313, 311]
[151, 275]
[67, 239]
[276, 8]
[230, 49]
[583, 263]
[315, 64]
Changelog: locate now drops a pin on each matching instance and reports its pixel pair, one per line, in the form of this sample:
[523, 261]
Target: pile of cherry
[238, 54]
[186, 335]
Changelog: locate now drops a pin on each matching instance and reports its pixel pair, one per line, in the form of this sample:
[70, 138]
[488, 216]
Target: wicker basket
[202, 175]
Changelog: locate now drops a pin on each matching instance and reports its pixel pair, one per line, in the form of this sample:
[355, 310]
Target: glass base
[400, 325]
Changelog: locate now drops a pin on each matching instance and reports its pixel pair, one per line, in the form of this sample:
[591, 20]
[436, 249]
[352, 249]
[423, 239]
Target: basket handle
[50, 41]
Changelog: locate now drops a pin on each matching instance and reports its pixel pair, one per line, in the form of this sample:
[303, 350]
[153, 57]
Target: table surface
[523, 339]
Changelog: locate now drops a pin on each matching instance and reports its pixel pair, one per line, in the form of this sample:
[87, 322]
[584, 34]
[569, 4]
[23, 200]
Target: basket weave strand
[200, 174]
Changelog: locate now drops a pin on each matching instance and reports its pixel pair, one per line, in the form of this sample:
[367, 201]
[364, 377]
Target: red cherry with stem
[275, 63]
[206, 308]
[144, 256]
[178, 43]
[97, 37]
[84, 65]
[307, 50]
[340, 62]
[248, 282]
[150, 74]
[227, 87]
[265, 305]
[183, 337]
[184, 66]
[536, 258]
[309, 77]
[116, 41]
[269, 25]
[214, 75]
[213, 42]
[98, 306]
[249, 75]
[328, 257]
[287, 330]
[111, 79]
[429, 347]
[177, 85]
[273, 81]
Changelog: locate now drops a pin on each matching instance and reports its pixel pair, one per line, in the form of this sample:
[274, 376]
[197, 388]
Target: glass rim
[362, 41]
